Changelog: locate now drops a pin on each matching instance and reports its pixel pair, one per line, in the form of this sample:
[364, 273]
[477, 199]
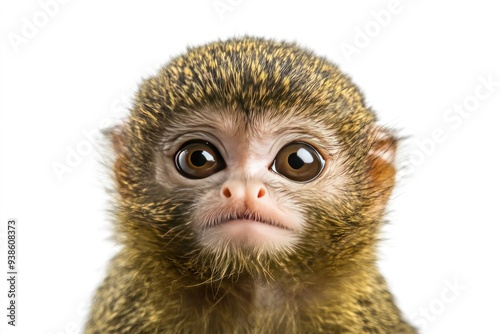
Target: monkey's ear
[382, 172]
[383, 146]
[116, 136]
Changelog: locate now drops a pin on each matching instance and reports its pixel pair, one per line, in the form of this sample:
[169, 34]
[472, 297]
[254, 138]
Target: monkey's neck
[304, 279]
[230, 305]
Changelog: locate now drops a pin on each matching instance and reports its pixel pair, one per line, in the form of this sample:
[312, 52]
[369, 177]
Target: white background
[77, 69]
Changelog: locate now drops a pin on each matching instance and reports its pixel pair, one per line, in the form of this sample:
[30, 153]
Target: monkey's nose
[240, 190]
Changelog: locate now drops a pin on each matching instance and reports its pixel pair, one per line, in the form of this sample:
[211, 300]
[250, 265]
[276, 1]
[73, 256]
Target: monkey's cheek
[238, 234]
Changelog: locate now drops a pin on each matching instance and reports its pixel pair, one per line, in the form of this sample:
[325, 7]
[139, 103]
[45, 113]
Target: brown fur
[162, 281]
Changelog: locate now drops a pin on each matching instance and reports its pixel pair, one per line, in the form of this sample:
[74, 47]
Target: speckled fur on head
[249, 75]
[164, 282]
[254, 76]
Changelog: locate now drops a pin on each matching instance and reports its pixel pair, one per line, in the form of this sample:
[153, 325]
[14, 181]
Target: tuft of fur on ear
[116, 136]
[382, 171]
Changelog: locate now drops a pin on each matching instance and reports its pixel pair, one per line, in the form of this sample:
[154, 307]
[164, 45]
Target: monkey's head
[251, 156]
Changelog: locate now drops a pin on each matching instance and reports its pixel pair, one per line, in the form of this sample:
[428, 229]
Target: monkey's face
[250, 180]
[249, 154]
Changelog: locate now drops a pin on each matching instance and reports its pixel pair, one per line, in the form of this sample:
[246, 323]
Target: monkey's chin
[249, 234]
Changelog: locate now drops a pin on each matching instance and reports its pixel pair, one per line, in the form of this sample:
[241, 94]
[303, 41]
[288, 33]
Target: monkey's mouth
[263, 229]
[246, 218]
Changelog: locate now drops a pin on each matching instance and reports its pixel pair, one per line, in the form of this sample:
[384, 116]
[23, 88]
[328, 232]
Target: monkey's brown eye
[198, 159]
[299, 162]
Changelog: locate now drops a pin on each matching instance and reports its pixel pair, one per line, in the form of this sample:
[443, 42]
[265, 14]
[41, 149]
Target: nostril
[226, 192]
[262, 193]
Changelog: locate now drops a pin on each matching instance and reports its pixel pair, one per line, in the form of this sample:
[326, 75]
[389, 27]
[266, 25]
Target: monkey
[251, 183]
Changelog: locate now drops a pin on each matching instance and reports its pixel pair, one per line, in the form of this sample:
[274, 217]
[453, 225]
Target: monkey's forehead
[249, 74]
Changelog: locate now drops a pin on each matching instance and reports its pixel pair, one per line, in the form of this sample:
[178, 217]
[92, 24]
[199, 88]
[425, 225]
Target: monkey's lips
[249, 219]
[249, 230]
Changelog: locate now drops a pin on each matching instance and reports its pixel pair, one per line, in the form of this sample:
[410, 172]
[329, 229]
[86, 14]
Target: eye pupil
[198, 159]
[298, 161]
[295, 161]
